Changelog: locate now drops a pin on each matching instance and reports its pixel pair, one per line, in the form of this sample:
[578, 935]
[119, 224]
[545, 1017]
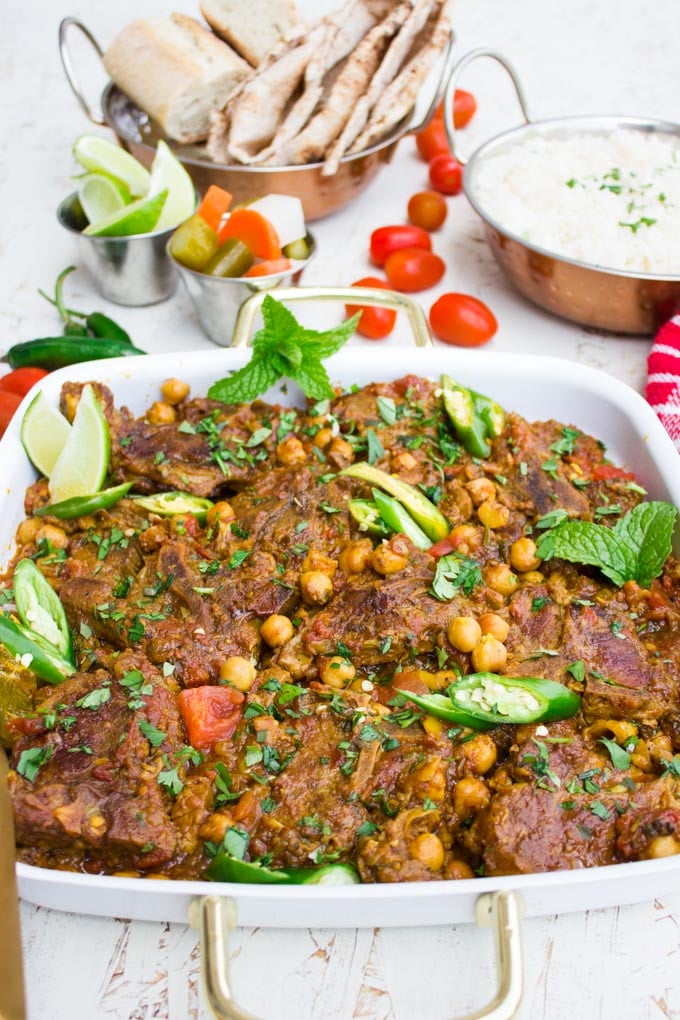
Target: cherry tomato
[21, 379]
[462, 320]
[427, 209]
[8, 405]
[385, 240]
[432, 140]
[375, 323]
[464, 108]
[446, 174]
[411, 269]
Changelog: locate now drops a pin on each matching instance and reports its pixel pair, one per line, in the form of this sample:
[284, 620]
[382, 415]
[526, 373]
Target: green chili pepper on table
[56, 352]
[481, 701]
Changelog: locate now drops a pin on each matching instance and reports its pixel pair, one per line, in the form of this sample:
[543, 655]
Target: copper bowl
[320, 194]
[604, 298]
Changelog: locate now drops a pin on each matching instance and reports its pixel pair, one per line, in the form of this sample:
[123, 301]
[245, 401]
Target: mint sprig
[635, 549]
[284, 348]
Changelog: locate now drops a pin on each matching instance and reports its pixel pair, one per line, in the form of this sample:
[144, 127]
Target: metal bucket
[132, 270]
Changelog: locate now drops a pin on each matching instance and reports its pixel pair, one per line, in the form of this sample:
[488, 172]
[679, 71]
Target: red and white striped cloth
[663, 379]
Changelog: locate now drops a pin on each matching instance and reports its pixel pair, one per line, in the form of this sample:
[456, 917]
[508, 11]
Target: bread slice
[252, 27]
[176, 71]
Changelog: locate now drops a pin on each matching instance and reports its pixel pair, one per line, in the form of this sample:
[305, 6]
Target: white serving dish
[536, 387]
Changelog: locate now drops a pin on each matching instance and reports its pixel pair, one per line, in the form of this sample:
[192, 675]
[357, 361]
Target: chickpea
[220, 513]
[340, 453]
[663, 846]
[458, 869]
[290, 452]
[27, 530]
[404, 461]
[492, 623]
[427, 849]
[315, 560]
[479, 754]
[215, 826]
[500, 578]
[239, 672]
[470, 795]
[55, 536]
[323, 438]
[356, 556]
[276, 630]
[533, 577]
[161, 413]
[489, 654]
[465, 538]
[385, 560]
[174, 391]
[481, 490]
[660, 748]
[523, 555]
[493, 514]
[316, 588]
[337, 672]
[463, 632]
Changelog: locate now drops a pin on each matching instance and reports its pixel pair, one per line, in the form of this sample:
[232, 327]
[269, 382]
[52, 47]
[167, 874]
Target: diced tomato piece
[8, 405]
[256, 232]
[210, 714]
[269, 267]
[442, 548]
[214, 205]
[608, 472]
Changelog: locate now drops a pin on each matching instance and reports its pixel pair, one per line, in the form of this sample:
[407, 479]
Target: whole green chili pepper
[481, 701]
[55, 352]
[101, 325]
[93, 324]
[78, 506]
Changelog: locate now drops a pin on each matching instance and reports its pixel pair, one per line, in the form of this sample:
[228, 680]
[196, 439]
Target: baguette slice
[176, 71]
[254, 27]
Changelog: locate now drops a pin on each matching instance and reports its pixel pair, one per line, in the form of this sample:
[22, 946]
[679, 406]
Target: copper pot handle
[422, 337]
[69, 69]
[214, 916]
[451, 88]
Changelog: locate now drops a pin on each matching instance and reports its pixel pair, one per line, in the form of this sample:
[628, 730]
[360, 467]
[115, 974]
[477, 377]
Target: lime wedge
[140, 217]
[44, 432]
[81, 467]
[167, 173]
[101, 156]
[101, 196]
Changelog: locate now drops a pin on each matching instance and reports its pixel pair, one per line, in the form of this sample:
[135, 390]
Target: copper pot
[320, 195]
[609, 299]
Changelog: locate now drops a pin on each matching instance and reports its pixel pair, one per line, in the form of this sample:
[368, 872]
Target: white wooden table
[613, 56]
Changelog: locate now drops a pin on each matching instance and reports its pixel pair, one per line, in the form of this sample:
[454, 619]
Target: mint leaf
[284, 348]
[647, 530]
[635, 549]
[592, 544]
[247, 383]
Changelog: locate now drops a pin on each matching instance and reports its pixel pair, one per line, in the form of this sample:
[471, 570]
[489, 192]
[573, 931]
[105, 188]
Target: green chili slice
[169, 504]
[421, 509]
[468, 422]
[367, 516]
[398, 519]
[481, 701]
[225, 868]
[34, 652]
[39, 607]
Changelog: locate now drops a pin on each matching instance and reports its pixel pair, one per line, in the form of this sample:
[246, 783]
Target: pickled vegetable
[233, 258]
[193, 243]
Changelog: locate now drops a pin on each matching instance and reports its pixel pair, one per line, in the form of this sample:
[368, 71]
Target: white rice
[609, 200]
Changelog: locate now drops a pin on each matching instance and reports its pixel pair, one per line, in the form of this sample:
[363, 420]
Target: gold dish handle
[214, 916]
[453, 83]
[69, 69]
[243, 326]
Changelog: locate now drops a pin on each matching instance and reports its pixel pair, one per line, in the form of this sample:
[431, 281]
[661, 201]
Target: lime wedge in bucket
[140, 217]
[101, 156]
[101, 196]
[44, 432]
[167, 173]
[81, 467]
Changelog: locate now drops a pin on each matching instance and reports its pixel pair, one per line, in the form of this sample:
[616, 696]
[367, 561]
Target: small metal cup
[217, 299]
[132, 270]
